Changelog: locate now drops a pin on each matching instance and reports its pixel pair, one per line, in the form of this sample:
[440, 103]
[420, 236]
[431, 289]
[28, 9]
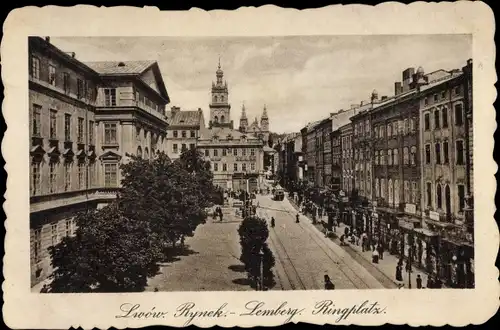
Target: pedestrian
[364, 238]
[328, 283]
[380, 248]
[346, 231]
[342, 238]
[399, 276]
[419, 282]
[375, 256]
[408, 266]
[272, 222]
[430, 282]
[297, 218]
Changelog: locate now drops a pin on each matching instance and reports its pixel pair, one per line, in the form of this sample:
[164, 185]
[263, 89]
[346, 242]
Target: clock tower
[220, 109]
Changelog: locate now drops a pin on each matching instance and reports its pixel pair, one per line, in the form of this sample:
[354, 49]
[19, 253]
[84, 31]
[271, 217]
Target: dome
[374, 92]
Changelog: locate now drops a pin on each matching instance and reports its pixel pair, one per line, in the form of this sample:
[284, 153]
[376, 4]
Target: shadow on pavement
[237, 268]
[173, 254]
[242, 281]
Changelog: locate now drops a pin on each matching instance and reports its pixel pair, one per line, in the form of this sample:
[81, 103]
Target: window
[35, 67]
[406, 156]
[184, 134]
[216, 153]
[367, 127]
[460, 152]
[427, 122]
[445, 117]
[224, 152]
[412, 125]
[110, 175]
[191, 146]
[35, 178]
[459, 120]
[66, 84]
[390, 187]
[81, 175]
[54, 236]
[413, 155]
[109, 97]
[443, 94]
[52, 75]
[376, 158]
[92, 174]
[80, 89]
[53, 124]
[395, 153]
[377, 187]
[439, 197]
[429, 194]
[193, 134]
[70, 227]
[427, 154]
[406, 127]
[80, 130]
[389, 130]
[183, 147]
[216, 167]
[110, 133]
[252, 166]
[235, 152]
[457, 90]
[176, 150]
[395, 128]
[37, 250]
[67, 176]
[52, 177]
[36, 128]
[244, 152]
[426, 101]
[435, 97]
[382, 157]
[91, 132]
[224, 167]
[461, 197]
[382, 188]
[445, 153]
[436, 120]
[437, 149]
[414, 192]
[389, 157]
[175, 134]
[252, 152]
[244, 167]
[67, 127]
[382, 131]
[406, 191]
[235, 167]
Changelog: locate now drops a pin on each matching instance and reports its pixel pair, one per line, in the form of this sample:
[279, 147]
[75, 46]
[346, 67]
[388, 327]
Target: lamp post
[261, 256]
[410, 256]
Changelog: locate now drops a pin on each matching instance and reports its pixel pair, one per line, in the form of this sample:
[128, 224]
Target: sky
[300, 79]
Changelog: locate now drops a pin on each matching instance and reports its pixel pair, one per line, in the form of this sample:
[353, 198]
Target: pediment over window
[53, 152]
[37, 150]
[80, 154]
[110, 155]
[229, 137]
[68, 152]
[91, 154]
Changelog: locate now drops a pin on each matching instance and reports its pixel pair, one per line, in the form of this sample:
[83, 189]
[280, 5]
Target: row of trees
[116, 248]
[255, 253]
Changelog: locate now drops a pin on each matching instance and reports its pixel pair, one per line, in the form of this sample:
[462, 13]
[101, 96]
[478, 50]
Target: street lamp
[261, 270]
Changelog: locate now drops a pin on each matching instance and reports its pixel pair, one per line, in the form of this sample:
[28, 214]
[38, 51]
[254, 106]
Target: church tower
[243, 119]
[264, 124]
[220, 109]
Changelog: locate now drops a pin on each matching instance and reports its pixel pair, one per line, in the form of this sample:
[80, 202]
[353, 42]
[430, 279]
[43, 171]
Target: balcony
[52, 201]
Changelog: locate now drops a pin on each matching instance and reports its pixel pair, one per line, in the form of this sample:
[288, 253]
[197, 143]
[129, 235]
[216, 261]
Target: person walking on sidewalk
[419, 282]
[328, 283]
[399, 276]
[380, 249]
[364, 239]
[375, 256]
[297, 218]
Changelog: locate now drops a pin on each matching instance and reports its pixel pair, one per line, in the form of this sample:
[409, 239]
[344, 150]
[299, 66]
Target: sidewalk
[386, 267]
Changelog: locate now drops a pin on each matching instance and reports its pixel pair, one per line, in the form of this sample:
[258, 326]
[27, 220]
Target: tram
[278, 194]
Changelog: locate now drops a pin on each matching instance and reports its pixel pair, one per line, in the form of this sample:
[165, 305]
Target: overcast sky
[300, 79]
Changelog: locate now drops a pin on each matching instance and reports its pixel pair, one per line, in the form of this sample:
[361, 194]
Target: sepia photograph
[251, 163]
[249, 167]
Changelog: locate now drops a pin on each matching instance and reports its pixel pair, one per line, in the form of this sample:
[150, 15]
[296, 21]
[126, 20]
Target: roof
[184, 118]
[115, 67]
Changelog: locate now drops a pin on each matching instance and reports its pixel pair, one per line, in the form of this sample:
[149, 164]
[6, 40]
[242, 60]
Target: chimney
[397, 88]
[384, 98]
[47, 39]
[73, 54]
[407, 78]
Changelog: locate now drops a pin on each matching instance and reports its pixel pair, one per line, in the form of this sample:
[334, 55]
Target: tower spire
[243, 112]
[219, 62]
[264, 113]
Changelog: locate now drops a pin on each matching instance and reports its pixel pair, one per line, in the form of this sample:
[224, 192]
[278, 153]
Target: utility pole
[410, 255]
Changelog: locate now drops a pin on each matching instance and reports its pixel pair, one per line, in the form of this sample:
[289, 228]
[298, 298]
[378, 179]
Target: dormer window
[121, 64]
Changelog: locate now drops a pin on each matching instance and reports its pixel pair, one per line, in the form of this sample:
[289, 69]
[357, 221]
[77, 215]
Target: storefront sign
[410, 208]
[434, 215]
[345, 199]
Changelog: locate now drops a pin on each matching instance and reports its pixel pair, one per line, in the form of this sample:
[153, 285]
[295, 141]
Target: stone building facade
[82, 124]
[184, 129]
[347, 160]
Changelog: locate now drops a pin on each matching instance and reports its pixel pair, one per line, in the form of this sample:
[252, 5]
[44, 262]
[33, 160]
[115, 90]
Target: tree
[109, 253]
[253, 233]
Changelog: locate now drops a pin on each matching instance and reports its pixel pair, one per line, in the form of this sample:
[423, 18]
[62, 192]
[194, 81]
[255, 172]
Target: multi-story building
[184, 128]
[347, 177]
[309, 146]
[323, 148]
[260, 131]
[236, 157]
[82, 120]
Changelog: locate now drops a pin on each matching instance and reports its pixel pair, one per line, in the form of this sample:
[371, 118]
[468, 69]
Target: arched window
[413, 155]
[391, 192]
[406, 191]
[439, 197]
[377, 188]
[216, 119]
[216, 98]
[389, 130]
[382, 188]
[396, 157]
[447, 197]
[139, 152]
[222, 98]
[146, 153]
[376, 157]
[222, 119]
[406, 126]
[389, 157]
[406, 156]
[382, 131]
[396, 192]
